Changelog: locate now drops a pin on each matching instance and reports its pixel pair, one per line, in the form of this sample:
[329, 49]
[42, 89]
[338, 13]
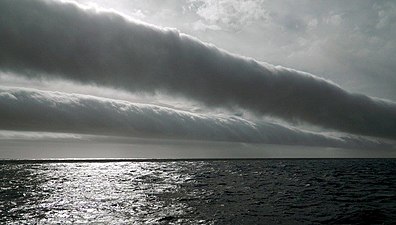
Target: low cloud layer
[33, 135]
[29, 109]
[46, 38]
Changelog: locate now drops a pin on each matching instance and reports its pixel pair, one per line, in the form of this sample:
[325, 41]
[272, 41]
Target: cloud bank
[23, 135]
[46, 38]
[30, 109]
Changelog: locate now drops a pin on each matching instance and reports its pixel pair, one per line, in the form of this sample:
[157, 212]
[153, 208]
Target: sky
[306, 73]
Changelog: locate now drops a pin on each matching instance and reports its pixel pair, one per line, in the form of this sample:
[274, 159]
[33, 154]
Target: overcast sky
[315, 73]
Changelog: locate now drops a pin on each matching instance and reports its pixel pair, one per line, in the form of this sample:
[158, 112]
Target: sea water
[199, 192]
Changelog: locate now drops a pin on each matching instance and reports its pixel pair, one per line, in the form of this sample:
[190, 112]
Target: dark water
[206, 192]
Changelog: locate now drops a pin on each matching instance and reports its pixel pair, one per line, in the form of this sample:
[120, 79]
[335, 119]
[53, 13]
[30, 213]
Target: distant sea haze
[71, 146]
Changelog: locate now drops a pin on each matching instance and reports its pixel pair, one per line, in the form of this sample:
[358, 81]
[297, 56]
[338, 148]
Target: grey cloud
[23, 135]
[45, 38]
[351, 43]
[29, 109]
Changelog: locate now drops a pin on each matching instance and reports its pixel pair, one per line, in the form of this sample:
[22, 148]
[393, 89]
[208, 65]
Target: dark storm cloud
[29, 109]
[64, 40]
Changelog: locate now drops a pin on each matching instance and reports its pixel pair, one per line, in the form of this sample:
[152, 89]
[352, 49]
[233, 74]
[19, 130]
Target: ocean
[283, 191]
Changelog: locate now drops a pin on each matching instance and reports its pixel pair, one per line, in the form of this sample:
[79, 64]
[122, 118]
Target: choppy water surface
[206, 192]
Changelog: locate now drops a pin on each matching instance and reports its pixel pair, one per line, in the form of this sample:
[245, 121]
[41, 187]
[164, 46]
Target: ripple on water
[200, 192]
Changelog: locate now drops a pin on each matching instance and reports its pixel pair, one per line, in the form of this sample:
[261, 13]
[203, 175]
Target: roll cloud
[61, 39]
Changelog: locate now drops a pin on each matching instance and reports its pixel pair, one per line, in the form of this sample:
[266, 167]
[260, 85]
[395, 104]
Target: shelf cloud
[63, 40]
[33, 110]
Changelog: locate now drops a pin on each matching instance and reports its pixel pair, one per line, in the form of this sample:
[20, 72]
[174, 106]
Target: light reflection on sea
[85, 192]
[200, 192]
